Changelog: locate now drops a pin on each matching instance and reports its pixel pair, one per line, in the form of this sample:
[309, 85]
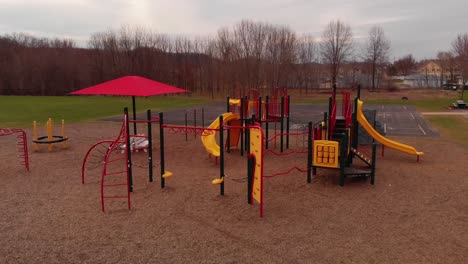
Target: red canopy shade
[130, 86]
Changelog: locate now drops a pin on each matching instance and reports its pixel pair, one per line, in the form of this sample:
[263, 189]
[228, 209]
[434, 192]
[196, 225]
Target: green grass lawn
[454, 128]
[21, 111]
[422, 105]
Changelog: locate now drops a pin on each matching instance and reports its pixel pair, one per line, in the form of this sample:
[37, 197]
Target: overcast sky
[418, 27]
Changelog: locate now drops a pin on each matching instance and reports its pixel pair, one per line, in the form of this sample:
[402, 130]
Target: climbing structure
[115, 178]
[21, 144]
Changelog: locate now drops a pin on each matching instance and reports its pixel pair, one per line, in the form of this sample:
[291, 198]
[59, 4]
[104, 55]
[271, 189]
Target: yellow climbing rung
[167, 174]
[217, 181]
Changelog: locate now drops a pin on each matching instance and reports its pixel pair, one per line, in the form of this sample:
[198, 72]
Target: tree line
[248, 55]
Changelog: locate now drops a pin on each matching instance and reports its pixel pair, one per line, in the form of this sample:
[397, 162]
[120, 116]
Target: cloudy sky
[418, 27]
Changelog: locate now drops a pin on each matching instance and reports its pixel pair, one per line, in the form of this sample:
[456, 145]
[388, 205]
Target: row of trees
[248, 55]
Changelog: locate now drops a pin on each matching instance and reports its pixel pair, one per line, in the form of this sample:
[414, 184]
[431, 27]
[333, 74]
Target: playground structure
[21, 144]
[274, 109]
[122, 176]
[50, 138]
[124, 170]
[331, 143]
[336, 140]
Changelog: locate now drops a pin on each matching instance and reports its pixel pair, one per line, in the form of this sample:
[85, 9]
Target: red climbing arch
[21, 144]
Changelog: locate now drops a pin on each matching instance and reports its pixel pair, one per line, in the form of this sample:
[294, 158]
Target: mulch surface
[415, 212]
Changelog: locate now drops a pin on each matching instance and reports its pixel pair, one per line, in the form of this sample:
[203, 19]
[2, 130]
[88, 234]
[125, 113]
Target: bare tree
[337, 43]
[306, 51]
[447, 66]
[460, 49]
[281, 54]
[405, 65]
[377, 49]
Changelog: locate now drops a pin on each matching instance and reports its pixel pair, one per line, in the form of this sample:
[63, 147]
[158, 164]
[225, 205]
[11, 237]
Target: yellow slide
[208, 137]
[381, 139]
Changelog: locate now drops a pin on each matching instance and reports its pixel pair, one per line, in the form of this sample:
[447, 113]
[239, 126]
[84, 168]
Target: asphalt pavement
[397, 120]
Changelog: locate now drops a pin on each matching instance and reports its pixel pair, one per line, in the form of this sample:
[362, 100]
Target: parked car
[450, 86]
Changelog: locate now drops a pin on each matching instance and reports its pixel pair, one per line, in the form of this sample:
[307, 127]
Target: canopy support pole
[134, 116]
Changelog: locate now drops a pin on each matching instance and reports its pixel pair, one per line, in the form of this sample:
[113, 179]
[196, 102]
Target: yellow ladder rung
[217, 181]
[167, 174]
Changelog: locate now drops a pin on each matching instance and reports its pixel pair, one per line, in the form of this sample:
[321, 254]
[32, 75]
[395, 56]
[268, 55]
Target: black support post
[325, 119]
[129, 153]
[161, 147]
[359, 91]
[221, 154]
[250, 176]
[374, 160]
[150, 145]
[134, 116]
[203, 117]
[260, 110]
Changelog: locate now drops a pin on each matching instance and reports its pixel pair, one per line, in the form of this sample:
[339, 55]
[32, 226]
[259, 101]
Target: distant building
[420, 80]
[431, 68]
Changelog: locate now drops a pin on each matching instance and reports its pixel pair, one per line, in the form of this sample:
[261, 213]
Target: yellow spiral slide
[208, 137]
[381, 139]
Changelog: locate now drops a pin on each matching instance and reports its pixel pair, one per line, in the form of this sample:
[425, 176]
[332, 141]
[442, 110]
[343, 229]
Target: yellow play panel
[326, 153]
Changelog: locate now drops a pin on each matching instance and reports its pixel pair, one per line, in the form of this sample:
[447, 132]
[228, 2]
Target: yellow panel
[330, 148]
[256, 150]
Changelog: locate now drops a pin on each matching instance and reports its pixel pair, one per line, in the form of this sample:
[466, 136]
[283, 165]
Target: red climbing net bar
[347, 109]
[21, 144]
[291, 152]
[285, 153]
[284, 172]
[332, 119]
[190, 130]
[285, 134]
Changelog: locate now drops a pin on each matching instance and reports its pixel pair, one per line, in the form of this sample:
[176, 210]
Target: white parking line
[385, 127]
[424, 132]
[412, 116]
